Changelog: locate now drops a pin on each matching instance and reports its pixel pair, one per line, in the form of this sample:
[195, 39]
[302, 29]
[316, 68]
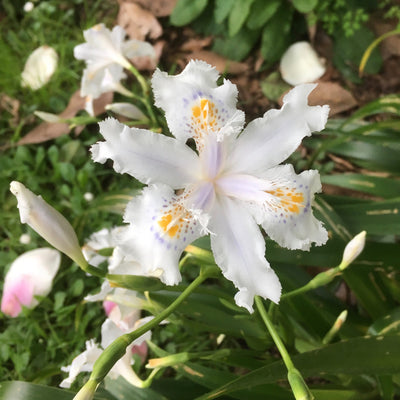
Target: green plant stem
[274, 334]
[320, 280]
[117, 348]
[92, 270]
[296, 381]
[146, 93]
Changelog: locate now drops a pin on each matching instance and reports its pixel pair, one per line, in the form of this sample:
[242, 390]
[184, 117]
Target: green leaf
[276, 34]
[375, 185]
[238, 15]
[16, 390]
[136, 282]
[123, 390]
[261, 12]
[376, 217]
[222, 9]
[186, 11]
[388, 324]
[304, 6]
[273, 87]
[237, 47]
[388, 104]
[363, 355]
[374, 156]
[348, 52]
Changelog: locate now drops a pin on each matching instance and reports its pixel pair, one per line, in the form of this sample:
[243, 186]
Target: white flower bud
[28, 6]
[353, 249]
[126, 110]
[39, 67]
[25, 238]
[48, 117]
[301, 64]
[47, 222]
[88, 196]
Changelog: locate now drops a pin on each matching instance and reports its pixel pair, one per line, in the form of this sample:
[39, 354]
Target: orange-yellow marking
[289, 200]
[165, 222]
[203, 117]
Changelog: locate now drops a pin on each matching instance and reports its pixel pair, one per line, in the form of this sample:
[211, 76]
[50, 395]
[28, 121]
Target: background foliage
[218, 349]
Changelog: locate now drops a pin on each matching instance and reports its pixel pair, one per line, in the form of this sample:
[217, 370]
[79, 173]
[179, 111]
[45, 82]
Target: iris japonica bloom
[106, 54]
[228, 186]
[31, 274]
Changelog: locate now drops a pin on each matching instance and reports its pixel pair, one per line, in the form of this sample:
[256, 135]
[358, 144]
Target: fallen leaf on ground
[222, 64]
[138, 22]
[47, 131]
[196, 44]
[159, 8]
[331, 93]
[10, 105]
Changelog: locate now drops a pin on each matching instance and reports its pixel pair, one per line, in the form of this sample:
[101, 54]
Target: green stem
[274, 334]
[117, 348]
[146, 91]
[296, 381]
[90, 269]
[320, 280]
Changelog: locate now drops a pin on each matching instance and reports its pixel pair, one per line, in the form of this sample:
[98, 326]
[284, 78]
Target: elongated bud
[353, 250]
[335, 327]
[298, 386]
[126, 110]
[47, 222]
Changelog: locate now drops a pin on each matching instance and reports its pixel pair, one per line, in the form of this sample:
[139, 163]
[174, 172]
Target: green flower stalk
[117, 348]
[296, 381]
[351, 252]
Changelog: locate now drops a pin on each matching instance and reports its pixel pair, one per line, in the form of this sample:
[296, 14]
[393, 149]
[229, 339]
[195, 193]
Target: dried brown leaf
[138, 22]
[331, 93]
[196, 44]
[159, 8]
[222, 64]
[10, 105]
[47, 131]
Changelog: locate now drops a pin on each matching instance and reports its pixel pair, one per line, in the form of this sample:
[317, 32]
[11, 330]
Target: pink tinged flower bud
[108, 306]
[30, 275]
[47, 222]
[39, 67]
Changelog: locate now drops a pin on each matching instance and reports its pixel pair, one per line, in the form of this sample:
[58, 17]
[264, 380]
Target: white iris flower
[227, 187]
[106, 54]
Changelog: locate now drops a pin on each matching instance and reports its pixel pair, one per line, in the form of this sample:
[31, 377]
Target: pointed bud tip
[353, 249]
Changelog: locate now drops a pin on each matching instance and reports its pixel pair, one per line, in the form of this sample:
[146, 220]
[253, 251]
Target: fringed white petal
[268, 141]
[239, 249]
[287, 216]
[148, 156]
[82, 363]
[160, 229]
[195, 106]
